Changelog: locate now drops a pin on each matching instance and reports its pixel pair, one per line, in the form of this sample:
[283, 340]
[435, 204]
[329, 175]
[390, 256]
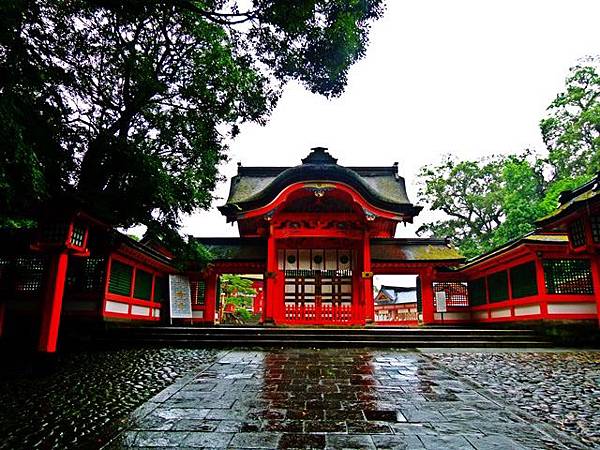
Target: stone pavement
[333, 398]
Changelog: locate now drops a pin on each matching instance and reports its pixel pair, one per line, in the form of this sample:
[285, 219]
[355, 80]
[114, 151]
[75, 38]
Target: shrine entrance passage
[318, 297]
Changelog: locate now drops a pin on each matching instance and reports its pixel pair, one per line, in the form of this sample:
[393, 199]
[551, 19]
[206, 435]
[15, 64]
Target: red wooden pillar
[368, 280]
[358, 310]
[272, 304]
[210, 296]
[52, 302]
[595, 265]
[541, 286]
[427, 296]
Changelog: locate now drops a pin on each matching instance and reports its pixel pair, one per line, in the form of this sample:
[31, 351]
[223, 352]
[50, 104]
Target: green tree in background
[572, 129]
[128, 106]
[486, 202]
[491, 201]
[239, 291]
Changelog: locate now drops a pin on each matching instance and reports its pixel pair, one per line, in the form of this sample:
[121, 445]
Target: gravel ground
[88, 398]
[562, 388]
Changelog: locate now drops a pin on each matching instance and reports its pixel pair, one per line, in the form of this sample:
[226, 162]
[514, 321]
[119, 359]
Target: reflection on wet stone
[335, 398]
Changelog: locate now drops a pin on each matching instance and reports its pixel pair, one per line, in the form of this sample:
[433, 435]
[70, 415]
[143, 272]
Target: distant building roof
[254, 187]
[572, 200]
[396, 295]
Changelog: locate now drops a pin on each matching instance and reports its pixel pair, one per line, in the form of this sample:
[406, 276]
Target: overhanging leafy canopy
[128, 105]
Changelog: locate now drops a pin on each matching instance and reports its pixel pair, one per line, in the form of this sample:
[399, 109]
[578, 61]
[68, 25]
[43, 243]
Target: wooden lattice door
[318, 297]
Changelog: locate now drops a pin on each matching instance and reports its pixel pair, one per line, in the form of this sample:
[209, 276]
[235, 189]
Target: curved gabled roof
[254, 187]
[571, 201]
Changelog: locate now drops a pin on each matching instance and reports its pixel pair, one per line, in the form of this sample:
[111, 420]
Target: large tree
[128, 106]
[483, 202]
[488, 202]
[572, 129]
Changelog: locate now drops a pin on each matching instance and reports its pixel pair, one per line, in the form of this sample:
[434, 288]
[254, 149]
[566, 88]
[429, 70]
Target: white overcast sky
[471, 78]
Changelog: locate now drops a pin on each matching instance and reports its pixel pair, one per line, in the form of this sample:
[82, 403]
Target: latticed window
[577, 233]
[197, 288]
[161, 289]
[78, 234]
[456, 293]
[568, 276]
[93, 274]
[498, 286]
[86, 274]
[595, 221]
[324, 273]
[143, 285]
[29, 273]
[55, 232]
[523, 280]
[120, 278]
[5, 266]
[477, 292]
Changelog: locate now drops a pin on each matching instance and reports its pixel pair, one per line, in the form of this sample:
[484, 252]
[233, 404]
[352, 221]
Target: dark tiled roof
[255, 249]
[235, 249]
[414, 250]
[573, 200]
[531, 238]
[254, 187]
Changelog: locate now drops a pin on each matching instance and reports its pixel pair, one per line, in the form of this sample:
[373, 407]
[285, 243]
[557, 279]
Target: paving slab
[330, 399]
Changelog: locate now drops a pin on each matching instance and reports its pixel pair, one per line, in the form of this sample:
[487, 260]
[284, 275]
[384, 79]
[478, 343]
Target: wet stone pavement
[87, 400]
[562, 388]
[333, 398]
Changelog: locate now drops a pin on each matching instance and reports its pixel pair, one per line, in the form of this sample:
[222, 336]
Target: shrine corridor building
[315, 234]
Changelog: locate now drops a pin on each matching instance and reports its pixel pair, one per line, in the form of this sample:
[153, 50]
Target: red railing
[318, 314]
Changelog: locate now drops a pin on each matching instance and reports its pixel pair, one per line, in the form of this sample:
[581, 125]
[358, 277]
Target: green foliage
[491, 201]
[470, 194]
[238, 291]
[128, 105]
[487, 202]
[236, 287]
[572, 129]
[189, 253]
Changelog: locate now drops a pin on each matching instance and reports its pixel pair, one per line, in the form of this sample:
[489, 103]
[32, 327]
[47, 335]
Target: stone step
[344, 343]
[326, 337]
[328, 331]
[291, 336]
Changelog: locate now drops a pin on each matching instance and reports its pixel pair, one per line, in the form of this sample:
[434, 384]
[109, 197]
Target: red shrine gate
[313, 227]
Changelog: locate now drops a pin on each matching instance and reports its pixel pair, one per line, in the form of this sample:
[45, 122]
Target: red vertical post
[541, 286]
[358, 314]
[595, 266]
[271, 304]
[427, 296]
[210, 297]
[52, 302]
[368, 280]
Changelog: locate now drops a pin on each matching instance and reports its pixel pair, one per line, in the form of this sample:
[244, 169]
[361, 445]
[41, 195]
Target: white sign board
[440, 300]
[180, 297]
